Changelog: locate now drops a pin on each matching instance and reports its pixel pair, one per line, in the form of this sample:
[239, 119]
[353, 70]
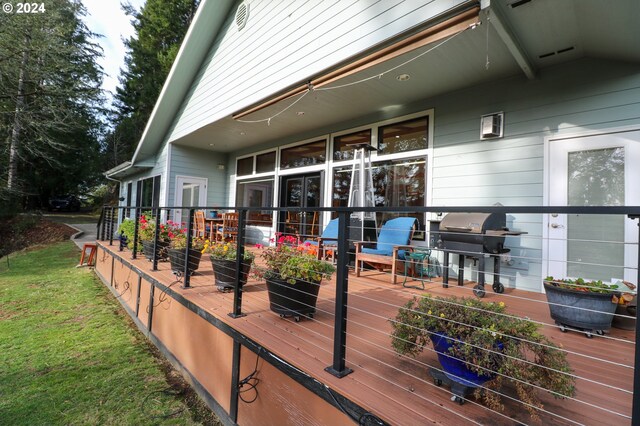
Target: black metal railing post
[134, 254]
[186, 282]
[237, 294]
[156, 212]
[635, 411]
[111, 225]
[338, 368]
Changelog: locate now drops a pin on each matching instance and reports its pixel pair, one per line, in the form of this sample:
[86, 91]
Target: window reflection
[343, 145]
[303, 155]
[397, 183]
[406, 136]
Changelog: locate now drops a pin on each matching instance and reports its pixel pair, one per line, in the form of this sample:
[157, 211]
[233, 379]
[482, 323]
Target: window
[303, 155]
[266, 162]
[148, 192]
[343, 145]
[397, 183]
[256, 193]
[406, 136]
[244, 166]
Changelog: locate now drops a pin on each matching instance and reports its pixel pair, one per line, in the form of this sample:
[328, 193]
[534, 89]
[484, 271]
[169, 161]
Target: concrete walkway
[86, 233]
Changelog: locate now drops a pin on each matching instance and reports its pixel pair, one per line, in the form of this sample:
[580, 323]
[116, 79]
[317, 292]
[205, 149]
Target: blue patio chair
[393, 241]
[328, 241]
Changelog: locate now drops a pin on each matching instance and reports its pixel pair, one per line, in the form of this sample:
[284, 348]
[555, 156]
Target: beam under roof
[500, 23]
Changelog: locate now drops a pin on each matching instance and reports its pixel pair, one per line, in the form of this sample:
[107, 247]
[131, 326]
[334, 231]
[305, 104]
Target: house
[533, 104]
[469, 103]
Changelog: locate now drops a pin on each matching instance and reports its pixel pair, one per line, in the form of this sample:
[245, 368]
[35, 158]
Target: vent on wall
[492, 126]
[242, 15]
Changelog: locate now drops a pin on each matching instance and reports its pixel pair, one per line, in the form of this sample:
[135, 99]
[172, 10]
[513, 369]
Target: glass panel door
[597, 170]
[303, 191]
[190, 192]
[595, 246]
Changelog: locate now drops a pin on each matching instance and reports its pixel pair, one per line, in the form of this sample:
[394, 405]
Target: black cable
[251, 381]
[127, 287]
[162, 296]
[362, 419]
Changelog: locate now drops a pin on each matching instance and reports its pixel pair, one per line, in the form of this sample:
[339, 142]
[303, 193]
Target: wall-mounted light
[492, 125]
[220, 166]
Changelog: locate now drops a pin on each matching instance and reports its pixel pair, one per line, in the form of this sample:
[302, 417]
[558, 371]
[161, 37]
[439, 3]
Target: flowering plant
[147, 228]
[178, 237]
[290, 261]
[223, 250]
[490, 342]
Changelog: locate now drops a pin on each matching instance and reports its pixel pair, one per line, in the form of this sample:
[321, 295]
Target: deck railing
[519, 264]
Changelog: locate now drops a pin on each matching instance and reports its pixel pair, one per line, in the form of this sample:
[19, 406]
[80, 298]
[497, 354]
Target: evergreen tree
[159, 27]
[49, 95]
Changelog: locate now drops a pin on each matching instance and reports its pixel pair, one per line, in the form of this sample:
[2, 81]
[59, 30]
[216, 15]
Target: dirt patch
[25, 231]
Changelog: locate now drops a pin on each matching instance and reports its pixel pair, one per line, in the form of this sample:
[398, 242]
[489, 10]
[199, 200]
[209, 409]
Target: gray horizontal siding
[286, 42]
[202, 164]
[586, 95]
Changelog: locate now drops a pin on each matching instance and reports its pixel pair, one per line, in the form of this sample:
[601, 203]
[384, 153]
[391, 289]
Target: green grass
[69, 356]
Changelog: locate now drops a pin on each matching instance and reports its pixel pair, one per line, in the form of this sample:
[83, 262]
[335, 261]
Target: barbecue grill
[478, 236]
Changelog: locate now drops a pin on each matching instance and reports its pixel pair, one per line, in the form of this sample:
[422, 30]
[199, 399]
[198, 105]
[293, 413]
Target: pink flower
[259, 246]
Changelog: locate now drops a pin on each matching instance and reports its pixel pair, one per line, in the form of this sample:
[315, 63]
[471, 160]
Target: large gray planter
[587, 311]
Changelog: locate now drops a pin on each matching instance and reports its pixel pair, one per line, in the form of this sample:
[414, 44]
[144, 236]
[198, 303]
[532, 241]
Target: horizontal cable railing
[487, 284]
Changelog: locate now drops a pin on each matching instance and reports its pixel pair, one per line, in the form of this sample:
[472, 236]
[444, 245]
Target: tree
[49, 93]
[159, 27]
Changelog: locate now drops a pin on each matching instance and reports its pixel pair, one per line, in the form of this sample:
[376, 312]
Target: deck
[397, 389]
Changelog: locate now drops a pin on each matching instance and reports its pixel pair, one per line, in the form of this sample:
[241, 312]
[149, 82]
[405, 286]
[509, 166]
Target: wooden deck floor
[399, 389]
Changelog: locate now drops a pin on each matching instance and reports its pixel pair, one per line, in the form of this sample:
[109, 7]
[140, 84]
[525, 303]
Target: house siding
[583, 96]
[203, 164]
[296, 41]
[586, 95]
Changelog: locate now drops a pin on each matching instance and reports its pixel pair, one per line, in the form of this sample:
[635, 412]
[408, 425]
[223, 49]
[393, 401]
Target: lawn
[69, 356]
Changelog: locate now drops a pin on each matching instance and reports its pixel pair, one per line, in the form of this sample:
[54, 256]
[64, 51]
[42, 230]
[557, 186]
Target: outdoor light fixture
[403, 77]
[220, 166]
[492, 126]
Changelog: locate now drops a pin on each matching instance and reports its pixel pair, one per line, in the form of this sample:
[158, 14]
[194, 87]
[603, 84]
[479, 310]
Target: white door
[597, 170]
[190, 192]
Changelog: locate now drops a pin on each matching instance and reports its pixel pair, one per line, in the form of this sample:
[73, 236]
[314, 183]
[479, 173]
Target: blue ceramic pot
[455, 369]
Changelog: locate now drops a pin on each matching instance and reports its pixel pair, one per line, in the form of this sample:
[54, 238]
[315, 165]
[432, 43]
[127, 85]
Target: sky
[107, 18]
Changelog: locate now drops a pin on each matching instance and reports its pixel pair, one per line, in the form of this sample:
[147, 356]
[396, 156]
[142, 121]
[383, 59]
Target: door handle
[557, 225]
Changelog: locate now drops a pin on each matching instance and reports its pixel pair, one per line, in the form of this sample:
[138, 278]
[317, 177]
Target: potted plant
[580, 304]
[178, 248]
[125, 232]
[223, 257]
[477, 344]
[147, 235]
[293, 274]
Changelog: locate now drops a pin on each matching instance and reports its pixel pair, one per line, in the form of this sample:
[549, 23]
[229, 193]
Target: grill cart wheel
[479, 292]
